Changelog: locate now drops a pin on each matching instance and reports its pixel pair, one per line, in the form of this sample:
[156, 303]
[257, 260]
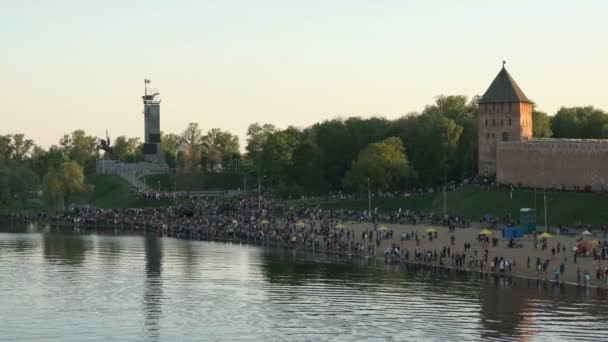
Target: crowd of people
[276, 222]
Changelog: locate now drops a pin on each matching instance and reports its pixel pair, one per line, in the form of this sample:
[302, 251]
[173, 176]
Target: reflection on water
[153, 290]
[68, 248]
[73, 286]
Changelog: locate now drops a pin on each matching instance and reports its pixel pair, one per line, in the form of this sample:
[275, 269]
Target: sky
[67, 65]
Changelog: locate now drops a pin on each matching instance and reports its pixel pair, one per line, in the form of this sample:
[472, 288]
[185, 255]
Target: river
[65, 285]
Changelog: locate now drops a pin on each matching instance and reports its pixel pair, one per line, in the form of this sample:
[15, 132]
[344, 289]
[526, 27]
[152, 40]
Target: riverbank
[471, 257]
[519, 255]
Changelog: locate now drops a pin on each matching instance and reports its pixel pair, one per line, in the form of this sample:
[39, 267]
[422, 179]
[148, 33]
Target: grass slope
[112, 191]
[196, 181]
[474, 202]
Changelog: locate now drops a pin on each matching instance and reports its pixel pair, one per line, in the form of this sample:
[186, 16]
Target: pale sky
[66, 65]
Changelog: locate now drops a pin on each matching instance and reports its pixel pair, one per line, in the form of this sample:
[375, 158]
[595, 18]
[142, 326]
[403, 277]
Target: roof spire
[504, 90]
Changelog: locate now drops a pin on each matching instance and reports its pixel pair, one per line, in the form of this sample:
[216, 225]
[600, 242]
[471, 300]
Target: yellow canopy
[300, 224]
[264, 221]
[340, 226]
[431, 230]
[545, 235]
[383, 228]
[486, 232]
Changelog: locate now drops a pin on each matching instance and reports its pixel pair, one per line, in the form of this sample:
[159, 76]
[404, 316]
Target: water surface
[104, 286]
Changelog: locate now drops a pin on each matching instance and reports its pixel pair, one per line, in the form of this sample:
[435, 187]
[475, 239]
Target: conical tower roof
[503, 90]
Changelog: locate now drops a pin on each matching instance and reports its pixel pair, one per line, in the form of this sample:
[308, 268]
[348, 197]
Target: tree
[541, 125]
[464, 114]
[81, 148]
[275, 158]
[63, 186]
[21, 146]
[457, 108]
[169, 144]
[256, 137]
[128, 149]
[17, 183]
[72, 176]
[307, 167]
[191, 139]
[23, 182]
[52, 189]
[433, 146]
[580, 123]
[42, 160]
[219, 148]
[6, 148]
[384, 163]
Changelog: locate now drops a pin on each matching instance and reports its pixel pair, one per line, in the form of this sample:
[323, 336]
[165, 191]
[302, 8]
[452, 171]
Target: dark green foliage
[580, 123]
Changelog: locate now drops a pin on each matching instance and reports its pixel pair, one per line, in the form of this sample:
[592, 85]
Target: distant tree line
[432, 147]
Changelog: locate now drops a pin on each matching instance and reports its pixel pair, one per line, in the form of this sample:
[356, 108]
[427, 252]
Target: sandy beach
[518, 255]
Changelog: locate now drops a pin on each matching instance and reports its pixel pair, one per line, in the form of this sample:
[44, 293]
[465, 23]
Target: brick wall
[554, 163]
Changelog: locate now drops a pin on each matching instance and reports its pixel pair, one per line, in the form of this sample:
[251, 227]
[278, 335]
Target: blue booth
[512, 232]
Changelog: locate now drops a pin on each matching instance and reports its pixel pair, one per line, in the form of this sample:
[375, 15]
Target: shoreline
[231, 238]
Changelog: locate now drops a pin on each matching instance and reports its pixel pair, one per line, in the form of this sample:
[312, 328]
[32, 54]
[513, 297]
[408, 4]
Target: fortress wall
[554, 163]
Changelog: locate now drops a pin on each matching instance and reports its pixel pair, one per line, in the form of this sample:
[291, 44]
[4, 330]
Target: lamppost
[369, 199]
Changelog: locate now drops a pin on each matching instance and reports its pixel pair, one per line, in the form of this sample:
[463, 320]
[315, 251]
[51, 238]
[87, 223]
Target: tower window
[487, 135]
[493, 122]
[486, 123]
[509, 107]
[509, 119]
[505, 136]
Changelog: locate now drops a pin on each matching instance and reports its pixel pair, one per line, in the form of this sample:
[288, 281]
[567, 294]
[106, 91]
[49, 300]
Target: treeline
[572, 122]
[435, 146]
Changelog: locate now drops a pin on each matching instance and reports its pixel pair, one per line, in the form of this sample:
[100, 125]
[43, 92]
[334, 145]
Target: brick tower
[505, 114]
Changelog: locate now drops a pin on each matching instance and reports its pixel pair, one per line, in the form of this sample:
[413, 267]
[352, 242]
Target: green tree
[81, 148]
[23, 183]
[433, 146]
[580, 123]
[219, 148]
[275, 159]
[52, 189]
[21, 147]
[169, 145]
[464, 114]
[384, 163]
[191, 139]
[6, 147]
[307, 166]
[256, 137]
[64, 186]
[541, 125]
[72, 177]
[43, 160]
[128, 149]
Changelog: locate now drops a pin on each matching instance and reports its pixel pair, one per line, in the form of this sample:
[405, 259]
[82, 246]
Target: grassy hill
[198, 181]
[474, 202]
[562, 207]
[112, 191]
